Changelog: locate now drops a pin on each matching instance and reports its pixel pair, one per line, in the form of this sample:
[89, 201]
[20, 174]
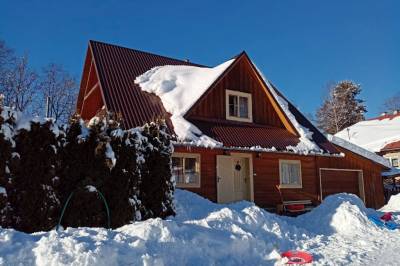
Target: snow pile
[358, 150]
[205, 233]
[393, 205]
[342, 213]
[385, 131]
[179, 87]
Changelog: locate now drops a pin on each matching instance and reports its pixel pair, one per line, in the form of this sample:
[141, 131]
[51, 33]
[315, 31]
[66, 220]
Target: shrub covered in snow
[7, 123]
[43, 165]
[156, 187]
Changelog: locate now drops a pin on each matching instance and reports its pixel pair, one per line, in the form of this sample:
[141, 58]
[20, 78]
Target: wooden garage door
[337, 181]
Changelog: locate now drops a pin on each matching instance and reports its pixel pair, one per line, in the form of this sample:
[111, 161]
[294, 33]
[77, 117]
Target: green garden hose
[68, 200]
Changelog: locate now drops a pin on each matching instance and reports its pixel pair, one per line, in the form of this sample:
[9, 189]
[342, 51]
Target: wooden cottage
[257, 147]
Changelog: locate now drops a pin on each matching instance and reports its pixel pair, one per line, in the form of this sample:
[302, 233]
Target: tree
[392, 104]
[18, 84]
[6, 54]
[60, 88]
[342, 108]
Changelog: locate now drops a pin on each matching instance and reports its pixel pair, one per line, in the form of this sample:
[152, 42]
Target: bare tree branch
[61, 88]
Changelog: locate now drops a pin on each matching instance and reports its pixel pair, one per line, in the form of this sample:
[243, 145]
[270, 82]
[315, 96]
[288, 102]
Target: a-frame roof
[117, 67]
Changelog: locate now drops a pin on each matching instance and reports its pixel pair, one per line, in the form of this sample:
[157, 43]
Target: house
[236, 136]
[385, 141]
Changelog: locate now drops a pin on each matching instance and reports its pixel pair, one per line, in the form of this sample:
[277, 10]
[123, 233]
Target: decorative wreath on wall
[238, 167]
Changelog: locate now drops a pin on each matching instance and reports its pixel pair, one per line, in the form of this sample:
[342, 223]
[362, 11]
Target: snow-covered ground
[337, 232]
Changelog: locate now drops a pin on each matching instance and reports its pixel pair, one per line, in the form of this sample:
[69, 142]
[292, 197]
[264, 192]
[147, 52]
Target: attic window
[238, 106]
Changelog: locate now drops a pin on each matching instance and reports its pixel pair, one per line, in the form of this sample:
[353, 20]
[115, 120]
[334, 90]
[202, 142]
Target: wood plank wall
[240, 78]
[266, 176]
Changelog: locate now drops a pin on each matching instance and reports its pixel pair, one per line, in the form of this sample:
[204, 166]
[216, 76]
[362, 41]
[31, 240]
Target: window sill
[290, 186]
[239, 119]
[187, 185]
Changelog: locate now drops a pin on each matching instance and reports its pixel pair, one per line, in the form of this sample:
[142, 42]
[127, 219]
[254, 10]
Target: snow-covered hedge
[43, 164]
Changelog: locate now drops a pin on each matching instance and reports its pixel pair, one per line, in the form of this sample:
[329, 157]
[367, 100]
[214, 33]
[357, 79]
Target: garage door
[338, 181]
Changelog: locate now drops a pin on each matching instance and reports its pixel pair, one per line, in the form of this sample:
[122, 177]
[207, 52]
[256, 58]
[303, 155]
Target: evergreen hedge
[42, 165]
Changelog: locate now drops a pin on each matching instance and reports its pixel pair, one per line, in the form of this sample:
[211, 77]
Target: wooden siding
[208, 170]
[337, 181]
[239, 78]
[90, 97]
[266, 176]
[373, 184]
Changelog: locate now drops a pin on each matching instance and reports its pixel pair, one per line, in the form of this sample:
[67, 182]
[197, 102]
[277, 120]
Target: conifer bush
[6, 127]
[43, 165]
[33, 194]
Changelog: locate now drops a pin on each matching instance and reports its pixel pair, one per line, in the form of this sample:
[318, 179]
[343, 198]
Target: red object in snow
[295, 207]
[387, 216]
[297, 257]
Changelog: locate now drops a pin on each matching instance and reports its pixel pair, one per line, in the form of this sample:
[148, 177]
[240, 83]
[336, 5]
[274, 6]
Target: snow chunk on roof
[385, 131]
[179, 87]
[358, 150]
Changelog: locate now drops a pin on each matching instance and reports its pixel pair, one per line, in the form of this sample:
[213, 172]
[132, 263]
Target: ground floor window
[186, 169]
[290, 173]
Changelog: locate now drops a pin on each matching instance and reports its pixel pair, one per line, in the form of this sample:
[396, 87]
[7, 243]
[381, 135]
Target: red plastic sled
[387, 216]
[297, 257]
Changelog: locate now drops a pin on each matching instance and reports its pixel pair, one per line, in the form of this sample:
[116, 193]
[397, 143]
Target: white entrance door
[241, 178]
[233, 179]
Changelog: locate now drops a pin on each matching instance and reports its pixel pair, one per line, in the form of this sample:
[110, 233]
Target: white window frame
[198, 168]
[391, 161]
[296, 162]
[249, 106]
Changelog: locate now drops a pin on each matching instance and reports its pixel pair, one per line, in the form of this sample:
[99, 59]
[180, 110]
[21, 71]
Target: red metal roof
[392, 146]
[247, 135]
[119, 66]
[387, 116]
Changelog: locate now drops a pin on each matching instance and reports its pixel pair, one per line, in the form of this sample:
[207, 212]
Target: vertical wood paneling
[240, 78]
[266, 176]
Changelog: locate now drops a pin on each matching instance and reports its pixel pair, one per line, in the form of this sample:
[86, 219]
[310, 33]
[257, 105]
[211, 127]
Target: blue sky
[300, 45]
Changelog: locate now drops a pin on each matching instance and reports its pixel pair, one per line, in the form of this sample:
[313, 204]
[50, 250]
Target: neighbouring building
[236, 136]
[380, 135]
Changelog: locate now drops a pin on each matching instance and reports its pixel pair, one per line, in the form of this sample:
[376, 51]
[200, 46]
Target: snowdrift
[205, 233]
[342, 213]
[393, 204]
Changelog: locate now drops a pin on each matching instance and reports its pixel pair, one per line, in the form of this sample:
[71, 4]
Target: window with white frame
[186, 169]
[238, 106]
[395, 162]
[290, 174]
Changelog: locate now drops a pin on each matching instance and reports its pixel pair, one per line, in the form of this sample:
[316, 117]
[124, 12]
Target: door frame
[361, 183]
[251, 173]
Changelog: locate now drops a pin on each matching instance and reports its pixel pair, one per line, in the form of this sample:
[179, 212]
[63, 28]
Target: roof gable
[241, 76]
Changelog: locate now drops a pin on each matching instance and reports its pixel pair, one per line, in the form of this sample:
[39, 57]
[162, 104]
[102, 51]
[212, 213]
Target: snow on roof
[358, 150]
[306, 144]
[179, 87]
[373, 134]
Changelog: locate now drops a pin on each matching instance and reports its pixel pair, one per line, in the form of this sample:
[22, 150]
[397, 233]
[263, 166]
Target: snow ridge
[358, 150]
